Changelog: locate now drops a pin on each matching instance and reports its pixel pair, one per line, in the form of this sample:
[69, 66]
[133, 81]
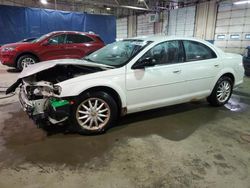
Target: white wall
[122, 28]
[144, 27]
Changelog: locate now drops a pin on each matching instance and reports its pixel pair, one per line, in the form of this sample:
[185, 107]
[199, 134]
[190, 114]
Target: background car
[246, 61]
[128, 76]
[55, 45]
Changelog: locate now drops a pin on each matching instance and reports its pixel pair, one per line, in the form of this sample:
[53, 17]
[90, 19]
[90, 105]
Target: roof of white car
[158, 38]
[162, 38]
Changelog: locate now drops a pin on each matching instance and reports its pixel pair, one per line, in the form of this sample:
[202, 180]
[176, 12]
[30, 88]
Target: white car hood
[38, 67]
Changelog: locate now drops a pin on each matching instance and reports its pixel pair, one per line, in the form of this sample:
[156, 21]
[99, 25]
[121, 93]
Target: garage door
[144, 27]
[181, 21]
[232, 32]
[122, 28]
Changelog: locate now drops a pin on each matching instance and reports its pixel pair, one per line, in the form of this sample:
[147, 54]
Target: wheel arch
[230, 75]
[113, 93]
[26, 53]
[228, 72]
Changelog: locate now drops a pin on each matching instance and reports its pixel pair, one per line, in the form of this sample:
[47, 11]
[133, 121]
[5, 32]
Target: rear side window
[197, 51]
[75, 38]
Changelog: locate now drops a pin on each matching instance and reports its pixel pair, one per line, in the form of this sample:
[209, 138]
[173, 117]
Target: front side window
[165, 53]
[59, 39]
[118, 53]
[197, 51]
[76, 38]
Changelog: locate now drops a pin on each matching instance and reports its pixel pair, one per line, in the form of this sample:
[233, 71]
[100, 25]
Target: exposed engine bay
[60, 73]
[42, 84]
[39, 94]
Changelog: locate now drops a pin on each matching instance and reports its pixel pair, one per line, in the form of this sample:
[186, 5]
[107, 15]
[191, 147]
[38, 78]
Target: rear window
[99, 38]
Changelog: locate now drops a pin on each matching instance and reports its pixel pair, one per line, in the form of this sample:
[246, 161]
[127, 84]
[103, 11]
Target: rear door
[78, 45]
[200, 68]
[158, 85]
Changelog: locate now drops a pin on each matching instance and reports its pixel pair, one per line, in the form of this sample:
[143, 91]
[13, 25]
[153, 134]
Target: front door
[54, 48]
[158, 85]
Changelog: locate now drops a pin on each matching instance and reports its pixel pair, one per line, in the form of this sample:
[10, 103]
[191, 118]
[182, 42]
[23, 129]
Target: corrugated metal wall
[232, 32]
[144, 27]
[181, 21]
[122, 28]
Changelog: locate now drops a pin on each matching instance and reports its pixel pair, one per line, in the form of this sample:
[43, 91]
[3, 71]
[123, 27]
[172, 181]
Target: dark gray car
[246, 61]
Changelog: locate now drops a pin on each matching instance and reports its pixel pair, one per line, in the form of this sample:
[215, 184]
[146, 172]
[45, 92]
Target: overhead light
[44, 2]
[107, 8]
[241, 2]
[132, 7]
[141, 0]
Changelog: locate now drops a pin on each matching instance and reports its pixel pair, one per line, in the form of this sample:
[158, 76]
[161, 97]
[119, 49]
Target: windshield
[118, 53]
[41, 38]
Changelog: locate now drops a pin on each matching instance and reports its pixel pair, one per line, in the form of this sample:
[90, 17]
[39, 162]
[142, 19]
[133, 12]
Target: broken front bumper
[53, 110]
[25, 103]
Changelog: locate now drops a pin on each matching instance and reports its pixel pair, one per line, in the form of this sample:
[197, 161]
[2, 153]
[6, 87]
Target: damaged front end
[41, 102]
[39, 93]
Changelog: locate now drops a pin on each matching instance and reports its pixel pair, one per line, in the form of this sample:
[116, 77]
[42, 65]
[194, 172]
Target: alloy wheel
[27, 61]
[223, 91]
[93, 114]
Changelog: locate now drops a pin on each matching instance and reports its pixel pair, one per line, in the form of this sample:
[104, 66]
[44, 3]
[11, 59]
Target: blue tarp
[17, 23]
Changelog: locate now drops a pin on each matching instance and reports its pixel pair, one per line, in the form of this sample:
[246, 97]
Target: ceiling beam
[117, 2]
[146, 5]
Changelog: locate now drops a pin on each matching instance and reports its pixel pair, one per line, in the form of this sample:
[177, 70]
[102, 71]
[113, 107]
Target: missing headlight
[57, 90]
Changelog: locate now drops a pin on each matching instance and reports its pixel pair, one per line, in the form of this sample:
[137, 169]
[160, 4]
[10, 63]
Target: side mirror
[46, 43]
[146, 62]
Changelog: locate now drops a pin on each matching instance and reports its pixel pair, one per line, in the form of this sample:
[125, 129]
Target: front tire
[25, 60]
[94, 113]
[222, 92]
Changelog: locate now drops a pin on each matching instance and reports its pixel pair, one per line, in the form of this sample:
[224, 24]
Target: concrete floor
[188, 145]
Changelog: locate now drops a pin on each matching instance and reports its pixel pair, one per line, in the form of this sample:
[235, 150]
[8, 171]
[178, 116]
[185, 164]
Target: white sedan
[127, 76]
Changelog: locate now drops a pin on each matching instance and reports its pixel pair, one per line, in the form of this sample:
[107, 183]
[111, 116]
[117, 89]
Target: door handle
[177, 71]
[70, 47]
[216, 65]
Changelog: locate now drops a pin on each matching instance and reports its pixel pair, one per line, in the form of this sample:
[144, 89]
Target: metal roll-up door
[181, 21]
[232, 32]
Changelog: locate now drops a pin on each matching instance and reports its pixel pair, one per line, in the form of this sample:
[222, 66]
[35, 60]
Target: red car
[55, 45]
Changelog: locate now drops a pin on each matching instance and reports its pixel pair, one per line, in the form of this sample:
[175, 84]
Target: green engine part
[55, 103]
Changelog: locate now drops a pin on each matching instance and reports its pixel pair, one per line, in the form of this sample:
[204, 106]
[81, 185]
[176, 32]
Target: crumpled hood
[38, 67]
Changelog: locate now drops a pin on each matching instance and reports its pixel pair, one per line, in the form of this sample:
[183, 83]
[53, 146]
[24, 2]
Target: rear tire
[25, 60]
[94, 113]
[222, 92]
